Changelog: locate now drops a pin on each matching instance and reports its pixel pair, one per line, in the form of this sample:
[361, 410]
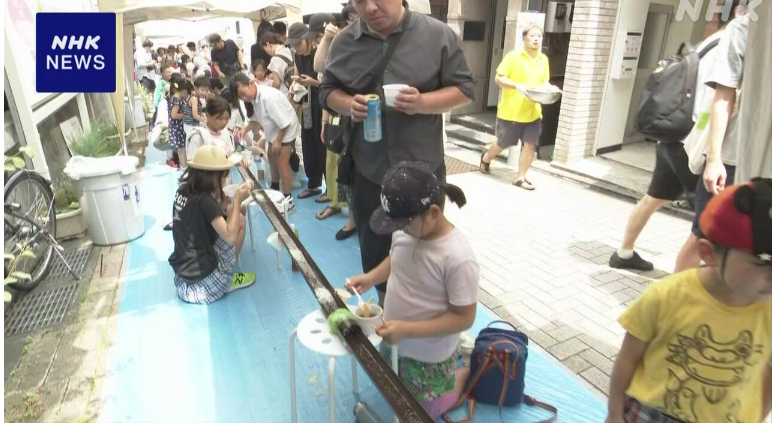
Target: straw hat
[211, 158]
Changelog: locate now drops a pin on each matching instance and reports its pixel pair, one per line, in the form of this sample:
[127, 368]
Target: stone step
[474, 124]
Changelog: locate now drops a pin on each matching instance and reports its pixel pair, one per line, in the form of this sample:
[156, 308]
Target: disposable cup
[391, 91]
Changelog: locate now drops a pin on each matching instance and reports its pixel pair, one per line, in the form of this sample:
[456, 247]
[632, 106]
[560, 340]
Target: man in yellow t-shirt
[519, 118]
[698, 345]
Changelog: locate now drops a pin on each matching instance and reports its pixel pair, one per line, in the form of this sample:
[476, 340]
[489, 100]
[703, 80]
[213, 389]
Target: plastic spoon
[358, 297]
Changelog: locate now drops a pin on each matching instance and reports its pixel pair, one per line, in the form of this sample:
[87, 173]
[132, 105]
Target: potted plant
[70, 222]
[96, 142]
[147, 99]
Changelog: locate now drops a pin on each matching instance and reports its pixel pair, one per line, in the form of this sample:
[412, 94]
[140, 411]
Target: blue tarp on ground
[229, 362]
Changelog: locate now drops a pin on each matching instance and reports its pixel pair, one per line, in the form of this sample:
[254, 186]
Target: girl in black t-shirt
[207, 243]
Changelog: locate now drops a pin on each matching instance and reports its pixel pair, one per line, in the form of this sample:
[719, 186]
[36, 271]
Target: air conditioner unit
[558, 17]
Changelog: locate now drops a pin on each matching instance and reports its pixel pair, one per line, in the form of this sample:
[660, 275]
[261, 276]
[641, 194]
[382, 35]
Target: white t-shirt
[141, 57]
[202, 136]
[273, 111]
[426, 278]
[279, 66]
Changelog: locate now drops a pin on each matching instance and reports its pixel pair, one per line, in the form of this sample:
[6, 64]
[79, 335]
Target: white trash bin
[109, 195]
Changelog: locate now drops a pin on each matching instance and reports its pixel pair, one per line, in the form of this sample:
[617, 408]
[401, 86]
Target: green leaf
[9, 167]
[18, 162]
[28, 254]
[8, 257]
[21, 275]
[8, 297]
[27, 151]
[8, 280]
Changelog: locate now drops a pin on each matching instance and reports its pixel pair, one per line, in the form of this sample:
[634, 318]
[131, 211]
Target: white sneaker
[287, 204]
[466, 346]
[295, 184]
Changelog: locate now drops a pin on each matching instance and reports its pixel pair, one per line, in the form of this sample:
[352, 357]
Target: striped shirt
[188, 118]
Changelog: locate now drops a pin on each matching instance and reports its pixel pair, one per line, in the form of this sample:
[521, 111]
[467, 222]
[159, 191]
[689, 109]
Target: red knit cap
[728, 218]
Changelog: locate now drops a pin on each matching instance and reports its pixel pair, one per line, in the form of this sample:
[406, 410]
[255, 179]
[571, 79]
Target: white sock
[625, 253]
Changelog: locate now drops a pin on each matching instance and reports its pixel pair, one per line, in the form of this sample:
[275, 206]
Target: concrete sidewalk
[544, 256]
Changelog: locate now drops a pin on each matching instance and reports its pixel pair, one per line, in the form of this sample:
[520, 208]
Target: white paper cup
[391, 91]
[368, 324]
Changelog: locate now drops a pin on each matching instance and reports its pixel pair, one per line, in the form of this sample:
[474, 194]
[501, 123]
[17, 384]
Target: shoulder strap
[531, 401]
[709, 47]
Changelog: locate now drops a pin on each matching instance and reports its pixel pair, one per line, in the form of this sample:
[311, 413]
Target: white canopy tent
[131, 12]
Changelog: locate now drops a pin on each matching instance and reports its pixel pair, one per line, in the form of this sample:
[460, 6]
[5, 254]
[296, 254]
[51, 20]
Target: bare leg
[639, 217]
[182, 157]
[688, 258]
[492, 152]
[282, 159]
[462, 375]
[351, 221]
[527, 157]
[240, 236]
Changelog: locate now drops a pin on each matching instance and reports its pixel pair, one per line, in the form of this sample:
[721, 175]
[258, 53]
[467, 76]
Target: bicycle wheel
[29, 195]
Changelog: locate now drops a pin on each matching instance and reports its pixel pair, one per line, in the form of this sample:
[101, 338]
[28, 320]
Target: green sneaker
[241, 280]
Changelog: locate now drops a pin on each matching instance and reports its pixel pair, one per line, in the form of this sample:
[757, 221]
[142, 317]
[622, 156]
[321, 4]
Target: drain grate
[40, 310]
[76, 257]
[454, 166]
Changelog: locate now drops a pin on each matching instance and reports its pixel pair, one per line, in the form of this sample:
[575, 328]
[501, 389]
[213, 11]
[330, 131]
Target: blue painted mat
[229, 362]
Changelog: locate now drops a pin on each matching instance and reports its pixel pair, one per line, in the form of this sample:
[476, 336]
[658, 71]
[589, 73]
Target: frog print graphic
[708, 369]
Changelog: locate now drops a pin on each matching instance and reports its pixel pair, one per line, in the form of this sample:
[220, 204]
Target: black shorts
[672, 176]
[703, 197]
[508, 133]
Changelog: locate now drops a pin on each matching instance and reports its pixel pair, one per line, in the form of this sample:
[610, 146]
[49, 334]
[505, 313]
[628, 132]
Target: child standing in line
[179, 91]
[432, 290]
[259, 70]
[698, 346]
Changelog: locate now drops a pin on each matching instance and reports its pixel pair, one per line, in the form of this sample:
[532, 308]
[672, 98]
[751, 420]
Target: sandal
[328, 212]
[168, 227]
[343, 234]
[307, 193]
[524, 184]
[485, 167]
[323, 199]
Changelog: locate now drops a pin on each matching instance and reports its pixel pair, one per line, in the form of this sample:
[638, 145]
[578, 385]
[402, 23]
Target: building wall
[587, 66]
[475, 52]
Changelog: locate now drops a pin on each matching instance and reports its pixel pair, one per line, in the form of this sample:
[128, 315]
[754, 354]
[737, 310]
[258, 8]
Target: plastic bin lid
[79, 167]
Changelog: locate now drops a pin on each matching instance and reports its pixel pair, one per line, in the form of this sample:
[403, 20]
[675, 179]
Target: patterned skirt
[432, 384]
[213, 286]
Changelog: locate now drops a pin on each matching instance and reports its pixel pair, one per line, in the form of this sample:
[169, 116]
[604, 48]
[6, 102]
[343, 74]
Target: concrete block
[576, 364]
[566, 349]
[597, 378]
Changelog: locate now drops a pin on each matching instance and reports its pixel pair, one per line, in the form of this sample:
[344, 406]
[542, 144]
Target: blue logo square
[75, 52]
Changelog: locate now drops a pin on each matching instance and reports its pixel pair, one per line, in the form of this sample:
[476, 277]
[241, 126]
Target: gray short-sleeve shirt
[428, 57]
[728, 69]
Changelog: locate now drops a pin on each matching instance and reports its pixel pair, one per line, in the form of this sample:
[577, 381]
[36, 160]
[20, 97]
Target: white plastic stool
[313, 333]
[276, 197]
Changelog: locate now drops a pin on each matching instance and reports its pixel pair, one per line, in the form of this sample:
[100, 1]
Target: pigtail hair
[455, 194]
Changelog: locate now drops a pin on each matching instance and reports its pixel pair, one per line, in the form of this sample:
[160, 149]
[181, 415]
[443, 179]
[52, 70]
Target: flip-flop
[524, 184]
[307, 193]
[241, 280]
[323, 199]
[328, 212]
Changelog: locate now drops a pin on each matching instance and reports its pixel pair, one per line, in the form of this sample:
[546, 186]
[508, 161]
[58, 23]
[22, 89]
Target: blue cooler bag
[497, 371]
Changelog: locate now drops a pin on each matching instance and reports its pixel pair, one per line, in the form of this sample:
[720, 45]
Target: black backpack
[666, 109]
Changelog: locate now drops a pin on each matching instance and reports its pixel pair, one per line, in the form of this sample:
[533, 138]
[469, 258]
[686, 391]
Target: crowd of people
[309, 84]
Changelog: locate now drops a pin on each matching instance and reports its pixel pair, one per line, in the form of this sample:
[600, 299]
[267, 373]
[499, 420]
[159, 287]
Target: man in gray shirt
[430, 60]
[721, 157]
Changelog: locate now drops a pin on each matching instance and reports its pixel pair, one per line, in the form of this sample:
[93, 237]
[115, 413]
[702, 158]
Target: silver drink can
[373, 130]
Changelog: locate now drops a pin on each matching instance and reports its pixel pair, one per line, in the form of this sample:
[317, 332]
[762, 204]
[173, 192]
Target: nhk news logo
[75, 52]
[693, 9]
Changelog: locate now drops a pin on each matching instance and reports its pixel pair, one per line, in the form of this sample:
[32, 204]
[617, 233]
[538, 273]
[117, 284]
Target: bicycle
[30, 229]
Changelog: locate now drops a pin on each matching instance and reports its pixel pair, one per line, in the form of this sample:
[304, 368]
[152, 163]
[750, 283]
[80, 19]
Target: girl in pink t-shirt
[432, 290]
[259, 71]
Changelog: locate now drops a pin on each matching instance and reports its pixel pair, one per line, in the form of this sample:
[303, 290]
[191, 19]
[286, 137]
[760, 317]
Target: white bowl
[368, 324]
[391, 91]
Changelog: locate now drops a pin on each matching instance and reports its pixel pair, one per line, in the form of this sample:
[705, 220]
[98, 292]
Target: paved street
[544, 255]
